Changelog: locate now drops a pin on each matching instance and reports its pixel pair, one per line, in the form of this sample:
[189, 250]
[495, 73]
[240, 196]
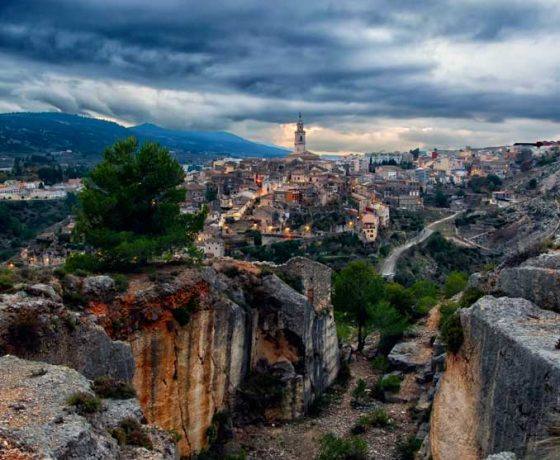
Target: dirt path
[300, 440]
[388, 266]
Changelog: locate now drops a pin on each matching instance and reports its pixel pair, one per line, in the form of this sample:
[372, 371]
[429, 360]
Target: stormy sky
[366, 74]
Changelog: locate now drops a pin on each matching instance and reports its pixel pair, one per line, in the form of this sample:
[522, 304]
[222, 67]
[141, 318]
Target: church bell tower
[299, 140]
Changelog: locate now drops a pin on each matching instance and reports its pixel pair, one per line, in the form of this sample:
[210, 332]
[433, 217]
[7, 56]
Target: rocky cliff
[256, 341]
[501, 391]
[203, 340]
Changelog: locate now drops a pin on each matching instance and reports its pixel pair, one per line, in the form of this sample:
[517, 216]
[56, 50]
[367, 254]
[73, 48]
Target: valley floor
[300, 440]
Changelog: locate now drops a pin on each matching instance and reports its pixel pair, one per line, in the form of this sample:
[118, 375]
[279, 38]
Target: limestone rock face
[198, 335]
[41, 328]
[501, 392]
[537, 279]
[37, 422]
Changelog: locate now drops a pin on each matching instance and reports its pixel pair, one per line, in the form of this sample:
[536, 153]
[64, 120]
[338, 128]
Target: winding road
[388, 266]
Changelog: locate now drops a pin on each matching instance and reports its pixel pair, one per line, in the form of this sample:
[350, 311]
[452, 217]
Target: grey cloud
[314, 54]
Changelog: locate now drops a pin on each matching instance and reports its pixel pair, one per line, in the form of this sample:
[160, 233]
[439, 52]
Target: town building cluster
[36, 190]
[305, 195]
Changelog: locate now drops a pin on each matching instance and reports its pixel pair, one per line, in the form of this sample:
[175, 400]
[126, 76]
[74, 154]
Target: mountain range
[42, 132]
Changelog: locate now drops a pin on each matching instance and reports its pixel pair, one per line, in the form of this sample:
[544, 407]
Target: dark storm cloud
[354, 58]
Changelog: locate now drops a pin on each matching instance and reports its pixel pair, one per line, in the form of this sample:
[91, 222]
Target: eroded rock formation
[205, 340]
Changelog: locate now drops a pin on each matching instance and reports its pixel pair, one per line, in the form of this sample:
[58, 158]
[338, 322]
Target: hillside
[23, 133]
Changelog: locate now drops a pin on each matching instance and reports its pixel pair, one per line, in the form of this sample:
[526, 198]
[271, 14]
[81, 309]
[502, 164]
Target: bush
[360, 389]
[109, 387]
[85, 403]
[334, 448]
[424, 305]
[121, 282]
[407, 448]
[82, 263]
[470, 296]
[390, 383]
[380, 363]
[454, 283]
[452, 333]
[377, 418]
[6, 279]
[130, 432]
[446, 310]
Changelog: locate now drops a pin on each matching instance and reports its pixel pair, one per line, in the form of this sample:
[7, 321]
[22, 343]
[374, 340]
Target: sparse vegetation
[130, 432]
[377, 418]
[335, 448]
[455, 282]
[407, 448]
[85, 403]
[390, 383]
[109, 387]
[121, 282]
[7, 279]
[452, 333]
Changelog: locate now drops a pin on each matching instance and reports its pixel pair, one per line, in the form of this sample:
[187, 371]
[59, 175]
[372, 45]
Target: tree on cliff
[357, 291]
[130, 206]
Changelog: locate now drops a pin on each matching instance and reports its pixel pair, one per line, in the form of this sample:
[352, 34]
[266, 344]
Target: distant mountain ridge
[36, 132]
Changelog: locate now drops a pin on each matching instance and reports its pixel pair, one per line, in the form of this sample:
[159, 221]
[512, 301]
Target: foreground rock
[501, 392]
[36, 420]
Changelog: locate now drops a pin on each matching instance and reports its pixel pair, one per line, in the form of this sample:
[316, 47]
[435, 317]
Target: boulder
[43, 290]
[537, 280]
[99, 287]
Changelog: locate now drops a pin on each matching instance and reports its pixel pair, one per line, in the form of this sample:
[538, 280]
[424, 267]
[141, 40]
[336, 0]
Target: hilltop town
[306, 196]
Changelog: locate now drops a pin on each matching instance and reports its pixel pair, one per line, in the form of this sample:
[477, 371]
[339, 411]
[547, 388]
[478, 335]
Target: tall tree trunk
[360, 338]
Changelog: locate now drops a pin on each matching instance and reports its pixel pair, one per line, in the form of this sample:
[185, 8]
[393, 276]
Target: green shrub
[121, 282]
[109, 387]
[452, 333]
[454, 283]
[262, 390]
[85, 403]
[335, 448]
[73, 299]
[390, 383]
[424, 305]
[6, 279]
[59, 272]
[359, 390]
[380, 363]
[470, 296]
[82, 263]
[446, 310]
[130, 432]
[377, 418]
[407, 448]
